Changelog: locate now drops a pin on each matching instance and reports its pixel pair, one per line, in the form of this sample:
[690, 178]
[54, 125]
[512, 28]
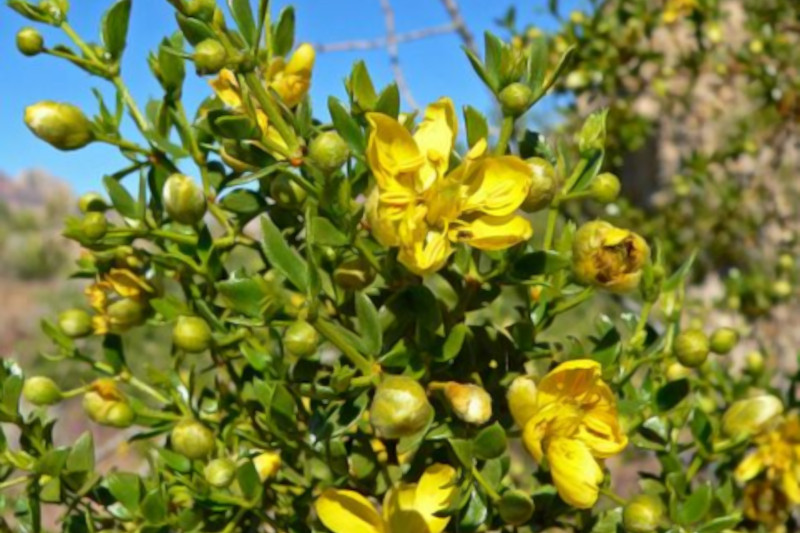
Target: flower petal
[346, 511]
[576, 474]
[574, 379]
[391, 149]
[493, 233]
[435, 137]
[434, 492]
[422, 250]
[749, 468]
[227, 88]
[498, 186]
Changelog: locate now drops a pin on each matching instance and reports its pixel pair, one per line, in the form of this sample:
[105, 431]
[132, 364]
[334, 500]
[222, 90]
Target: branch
[382, 42]
[394, 54]
[459, 24]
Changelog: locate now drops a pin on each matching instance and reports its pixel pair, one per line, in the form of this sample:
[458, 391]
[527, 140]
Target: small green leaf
[154, 506]
[477, 125]
[672, 394]
[346, 126]
[455, 340]
[194, 30]
[723, 523]
[121, 198]
[490, 443]
[701, 428]
[389, 101]
[245, 295]
[179, 463]
[369, 324]
[114, 352]
[696, 506]
[243, 15]
[477, 65]
[249, 481]
[81, 456]
[245, 203]
[283, 32]
[283, 257]
[361, 88]
[462, 448]
[126, 488]
[326, 234]
[115, 28]
[537, 64]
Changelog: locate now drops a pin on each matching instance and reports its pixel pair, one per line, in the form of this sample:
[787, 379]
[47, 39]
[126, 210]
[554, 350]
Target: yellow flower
[420, 208]
[608, 257]
[407, 508]
[778, 455]
[765, 503]
[677, 9]
[571, 420]
[119, 299]
[292, 79]
[267, 465]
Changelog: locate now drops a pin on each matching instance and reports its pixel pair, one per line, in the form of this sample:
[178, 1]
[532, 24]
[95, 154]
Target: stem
[579, 298]
[368, 255]
[575, 176]
[147, 389]
[137, 115]
[550, 229]
[124, 144]
[273, 114]
[327, 330]
[611, 495]
[483, 483]
[643, 316]
[506, 131]
[13, 482]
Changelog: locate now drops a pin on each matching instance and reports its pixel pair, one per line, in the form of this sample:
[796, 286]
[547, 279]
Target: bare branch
[381, 42]
[460, 24]
[394, 54]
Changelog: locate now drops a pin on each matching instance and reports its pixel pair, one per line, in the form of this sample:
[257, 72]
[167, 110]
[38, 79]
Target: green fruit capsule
[192, 439]
[642, 514]
[515, 99]
[286, 192]
[724, 340]
[354, 274]
[219, 472]
[201, 9]
[63, 126]
[301, 339]
[191, 334]
[30, 42]
[94, 226]
[209, 57]
[329, 151]
[40, 390]
[516, 508]
[692, 347]
[92, 201]
[605, 188]
[184, 200]
[400, 407]
[75, 323]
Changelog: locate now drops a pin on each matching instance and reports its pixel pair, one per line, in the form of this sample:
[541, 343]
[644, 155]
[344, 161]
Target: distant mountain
[34, 189]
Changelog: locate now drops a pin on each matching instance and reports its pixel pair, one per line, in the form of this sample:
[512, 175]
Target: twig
[381, 42]
[460, 25]
[394, 54]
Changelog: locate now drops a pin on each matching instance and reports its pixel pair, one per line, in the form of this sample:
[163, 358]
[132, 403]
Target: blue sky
[433, 67]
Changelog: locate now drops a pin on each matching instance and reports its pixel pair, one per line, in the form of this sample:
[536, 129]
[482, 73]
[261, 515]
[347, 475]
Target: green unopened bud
[75, 323]
[592, 136]
[781, 289]
[748, 417]
[469, 402]
[354, 274]
[605, 188]
[642, 514]
[399, 408]
[63, 126]
[30, 41]
[191, 334]
[723, 340]
[786, 262]
[119, 415]
[543, 185]
[328, 151]
[754, 362]
[515, 99]
[219, 472]
[184, 200]
[94, 226]
[209, 57]
[92, 201]
[267, 465]
[192, 439]
[676, 371]
[286, 192]
[125, 314]
[40, 390]
[691, 348]
[516, 508]
[201, 9]
[301, 339]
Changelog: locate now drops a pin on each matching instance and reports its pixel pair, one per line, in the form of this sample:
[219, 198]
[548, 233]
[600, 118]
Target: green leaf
[361, 88]
[81, 456]
[194, 30]
[696, 506]
[493, 50]
[680, 274]
[346, 126]
[490, 443]
[249, 482]
[326, 234]
[479, 69]
[230, 125]
[462, 448]
[477, 125]
[179, 463]
[720, 524]
[243, 15]
[701, 428]
[154, 506]
[52, 462]
[537, 64]
[672, 394]
[245, 203]
[369, 324]
[125, 488]
[538, 263]
[114, 352]
[475, 512]
[283, 257]
[115, 28]
[562, 64]
[245, 295]
[455, 340]
[121, 198]
[283, 33]
[389, 101]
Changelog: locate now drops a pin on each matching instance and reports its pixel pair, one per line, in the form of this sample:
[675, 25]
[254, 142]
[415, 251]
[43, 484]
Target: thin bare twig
[460, 24]
[381, 42]
[394, 54]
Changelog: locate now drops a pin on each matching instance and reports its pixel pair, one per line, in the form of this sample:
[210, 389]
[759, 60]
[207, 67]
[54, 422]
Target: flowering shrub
[398, 328]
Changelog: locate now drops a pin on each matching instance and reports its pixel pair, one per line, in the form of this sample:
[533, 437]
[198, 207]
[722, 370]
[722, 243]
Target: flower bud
[286, 192]
[201, 9]
[399, 408]
[521, 398]
[543, 185]
[301, 339]
[92, 201]
[125, 314]
[754, 362]
[94, 226]
[209, 57]
[608, 257]
[105, 404]
[723, 340]
[191, 334]
[642, 514]
[192, 439]
[75, 323]
[781, 289]
[184, 200]
[329, 151]
[515, 99]
[30, 42]
[119, 415]
[516, 508]
[691, 348]
[220, 472]
[267, 465]
[676, 371]
[354, 274]
[605, 188]
[592, 136]
[40, 390]
[786, 262]
[63, 126]
[470, 403]
[748, 417]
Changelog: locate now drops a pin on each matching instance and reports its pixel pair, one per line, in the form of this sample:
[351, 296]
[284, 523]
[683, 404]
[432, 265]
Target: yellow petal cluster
[571, 420]
[119, 299]
[421, 208]
[608, 257]
[777, 455]
[407, 508]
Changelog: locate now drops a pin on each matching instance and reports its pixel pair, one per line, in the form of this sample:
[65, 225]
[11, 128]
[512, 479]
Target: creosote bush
[404, 324]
